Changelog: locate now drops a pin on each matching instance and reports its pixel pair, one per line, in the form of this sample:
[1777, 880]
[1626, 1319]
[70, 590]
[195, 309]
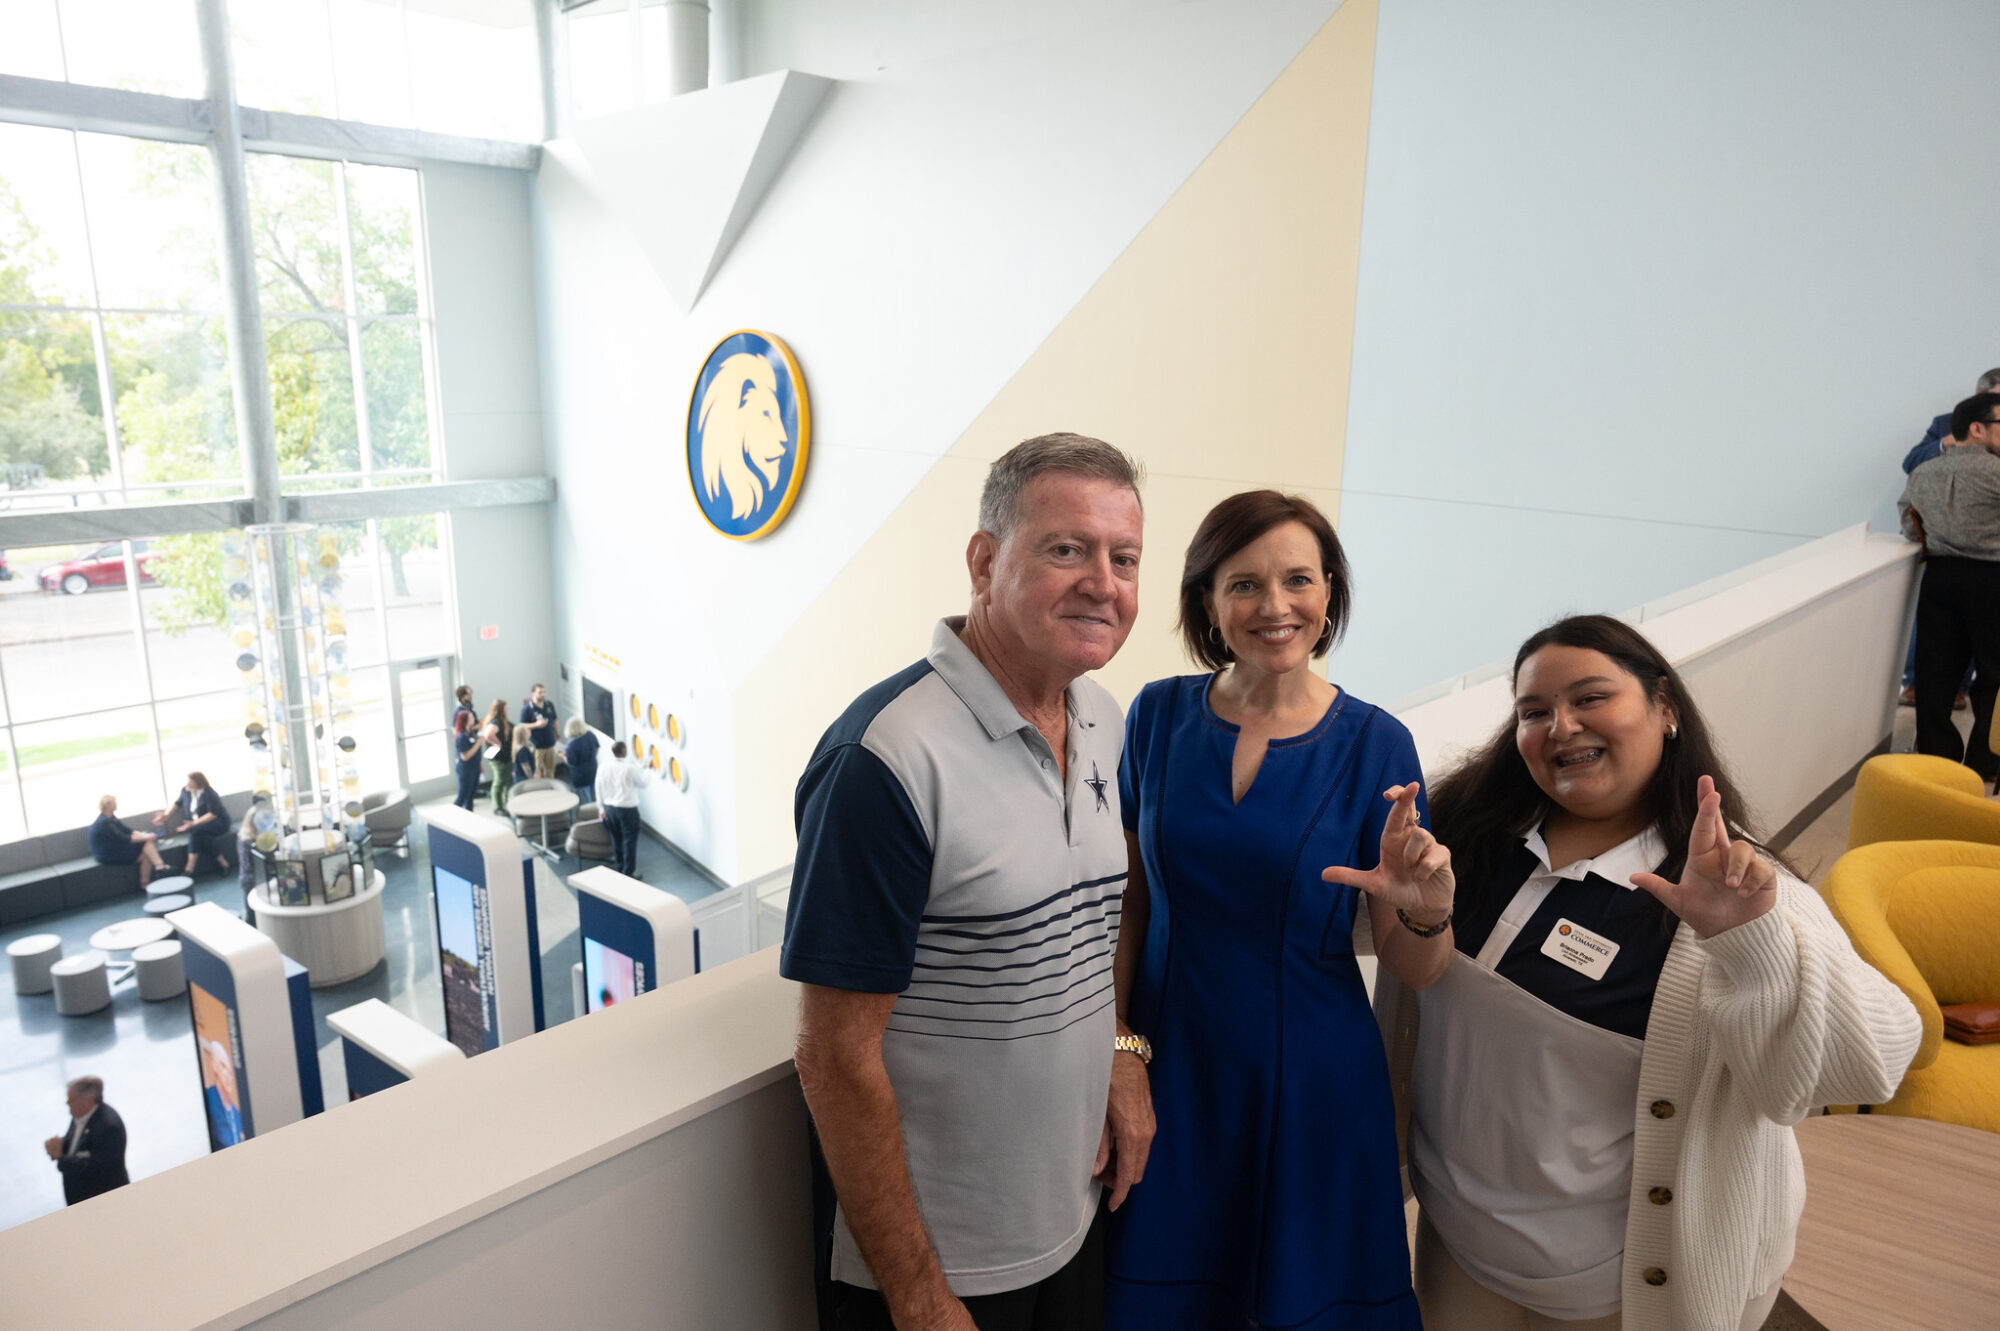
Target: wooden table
[1901, 1230]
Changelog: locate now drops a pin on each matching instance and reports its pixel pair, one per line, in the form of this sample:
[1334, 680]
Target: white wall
[935, 223]
[1648, 292]
[856, 38]
[489, 390]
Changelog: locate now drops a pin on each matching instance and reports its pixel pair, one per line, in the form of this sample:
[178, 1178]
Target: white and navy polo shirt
[943, 857]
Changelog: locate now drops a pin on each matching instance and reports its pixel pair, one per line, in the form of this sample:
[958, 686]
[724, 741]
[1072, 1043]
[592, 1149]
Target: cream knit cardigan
[1749, 1033]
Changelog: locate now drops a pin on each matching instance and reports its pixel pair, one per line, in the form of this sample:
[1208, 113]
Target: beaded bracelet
[1427, 931]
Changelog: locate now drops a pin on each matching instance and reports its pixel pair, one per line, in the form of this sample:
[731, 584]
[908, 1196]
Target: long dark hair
[1490, 799]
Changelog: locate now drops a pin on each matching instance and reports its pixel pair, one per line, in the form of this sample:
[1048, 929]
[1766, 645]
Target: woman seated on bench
[111, 842]
[204, 819]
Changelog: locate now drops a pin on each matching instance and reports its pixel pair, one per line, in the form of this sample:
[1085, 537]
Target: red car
[102, 567]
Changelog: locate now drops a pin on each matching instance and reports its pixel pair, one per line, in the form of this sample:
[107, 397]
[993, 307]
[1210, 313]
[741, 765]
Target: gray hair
[1069, 454]
[90, 1086]
[1989, 382]
[574, 728]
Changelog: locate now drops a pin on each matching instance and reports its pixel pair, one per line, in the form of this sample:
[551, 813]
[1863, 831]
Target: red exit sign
[489, 632]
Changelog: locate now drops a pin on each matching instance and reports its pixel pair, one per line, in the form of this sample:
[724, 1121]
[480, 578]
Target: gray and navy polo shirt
[943, 857]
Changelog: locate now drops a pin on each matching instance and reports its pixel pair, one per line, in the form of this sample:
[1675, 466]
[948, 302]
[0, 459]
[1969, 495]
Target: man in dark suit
[91, 1155]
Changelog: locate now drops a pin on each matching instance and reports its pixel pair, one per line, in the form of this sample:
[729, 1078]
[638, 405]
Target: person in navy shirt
[111, 842]
[538, 714]
[580, 753]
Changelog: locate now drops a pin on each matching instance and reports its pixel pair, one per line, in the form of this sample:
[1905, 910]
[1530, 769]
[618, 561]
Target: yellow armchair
[1913, 797]
[1927, 915]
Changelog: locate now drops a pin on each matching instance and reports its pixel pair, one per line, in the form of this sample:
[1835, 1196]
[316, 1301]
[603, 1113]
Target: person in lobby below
[526, 755]
[580, 756]
[202, 816]
[1605, 1078]
[1952, 505]
[496, 739]
[1271, 1195]
[464, 742]
[466, 746]
[538, 714]
[953, 918]
[1929, 449]
[618, 785]
[111, 842]
[91, 1154]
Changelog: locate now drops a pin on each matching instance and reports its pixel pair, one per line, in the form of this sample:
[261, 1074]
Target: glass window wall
[116, 674]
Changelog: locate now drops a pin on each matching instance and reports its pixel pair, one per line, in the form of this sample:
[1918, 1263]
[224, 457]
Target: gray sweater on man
[1957, 496]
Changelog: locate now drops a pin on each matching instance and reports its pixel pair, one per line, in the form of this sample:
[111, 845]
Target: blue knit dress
[1271, 1197]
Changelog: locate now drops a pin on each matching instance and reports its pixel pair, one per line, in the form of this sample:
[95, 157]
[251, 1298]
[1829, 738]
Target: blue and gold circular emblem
[748, 427]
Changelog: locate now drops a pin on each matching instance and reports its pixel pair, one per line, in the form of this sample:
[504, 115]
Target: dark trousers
[1958, 615]
[623, 825]
[206, 840]
[468, 783]
[1070, 1300]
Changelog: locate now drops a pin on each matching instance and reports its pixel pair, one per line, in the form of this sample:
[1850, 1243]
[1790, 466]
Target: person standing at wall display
[496, 739]
[538, 714]
[953, 919]
[91, 1154]
[1929, 449]
[200, 814]
[465, 748]
[1278, 1203]
[111, 842]
[580, 754]
[618, 785]
[1952, 505]
[1604, 1080]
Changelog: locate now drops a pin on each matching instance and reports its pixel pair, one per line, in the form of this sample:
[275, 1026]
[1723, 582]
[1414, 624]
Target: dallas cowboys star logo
[1097, 785]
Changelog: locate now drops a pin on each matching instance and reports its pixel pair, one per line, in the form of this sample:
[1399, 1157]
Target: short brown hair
[1235, 523]
[1070, 454]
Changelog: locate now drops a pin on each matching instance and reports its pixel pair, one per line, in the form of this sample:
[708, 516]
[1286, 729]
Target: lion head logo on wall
[747, 431]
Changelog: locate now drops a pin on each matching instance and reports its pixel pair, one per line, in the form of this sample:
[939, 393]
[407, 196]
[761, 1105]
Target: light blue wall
[1648, 292]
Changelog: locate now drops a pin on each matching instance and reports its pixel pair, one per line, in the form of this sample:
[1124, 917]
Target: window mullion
[352, 290]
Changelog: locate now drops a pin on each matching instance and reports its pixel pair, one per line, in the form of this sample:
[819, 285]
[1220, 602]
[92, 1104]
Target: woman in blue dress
[1257, 800]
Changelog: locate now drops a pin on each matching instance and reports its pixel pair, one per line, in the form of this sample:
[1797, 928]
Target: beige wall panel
[1216, 349]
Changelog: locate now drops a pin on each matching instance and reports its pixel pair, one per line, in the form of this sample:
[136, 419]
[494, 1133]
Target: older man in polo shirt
[953, 919]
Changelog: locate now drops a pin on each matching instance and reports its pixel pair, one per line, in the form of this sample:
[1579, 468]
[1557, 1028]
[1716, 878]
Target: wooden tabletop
[1901, 1230]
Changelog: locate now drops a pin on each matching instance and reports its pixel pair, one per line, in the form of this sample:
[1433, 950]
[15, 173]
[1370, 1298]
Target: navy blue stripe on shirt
[1024, 929]
[1033, 979]
[1045, 901]
[1023, 1035]
[1018, 947]
[1084, 941]
[1000, 1021]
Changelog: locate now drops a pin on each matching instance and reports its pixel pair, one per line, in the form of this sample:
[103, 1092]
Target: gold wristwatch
[1134, 1044]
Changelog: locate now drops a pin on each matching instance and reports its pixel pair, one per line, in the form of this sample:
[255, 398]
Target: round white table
[335, 941]
[542, 804]
[172, 885]
[128, 934]
[168, 903]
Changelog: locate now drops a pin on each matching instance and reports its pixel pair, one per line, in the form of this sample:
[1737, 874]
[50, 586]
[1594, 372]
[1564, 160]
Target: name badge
[1576, 947]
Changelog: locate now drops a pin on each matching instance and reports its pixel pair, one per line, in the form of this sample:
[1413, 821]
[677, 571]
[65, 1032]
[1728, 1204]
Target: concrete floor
[145, 1053]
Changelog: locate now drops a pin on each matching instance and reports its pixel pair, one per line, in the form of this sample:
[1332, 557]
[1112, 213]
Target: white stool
[82, 987]
[160, 972]
[31, 958]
